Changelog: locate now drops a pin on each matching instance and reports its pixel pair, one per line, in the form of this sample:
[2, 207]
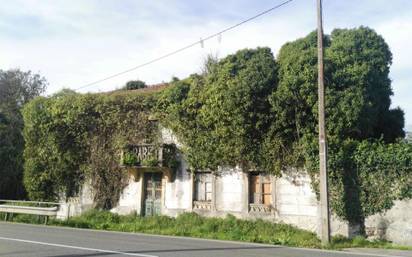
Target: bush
[134, 84]
[194, 225]
[261, 114]
[70, 137]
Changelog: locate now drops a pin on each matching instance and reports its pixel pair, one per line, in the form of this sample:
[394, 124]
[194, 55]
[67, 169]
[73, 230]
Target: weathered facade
[230, 190]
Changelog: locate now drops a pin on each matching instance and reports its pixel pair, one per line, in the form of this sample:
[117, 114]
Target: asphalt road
[20, 240]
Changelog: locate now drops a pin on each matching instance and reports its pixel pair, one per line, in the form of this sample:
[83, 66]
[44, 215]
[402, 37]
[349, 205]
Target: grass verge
[193, 225]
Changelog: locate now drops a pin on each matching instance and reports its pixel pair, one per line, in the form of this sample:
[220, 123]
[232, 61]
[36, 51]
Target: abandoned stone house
[229, 190]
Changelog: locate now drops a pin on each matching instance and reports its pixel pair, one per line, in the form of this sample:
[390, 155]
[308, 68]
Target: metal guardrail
[30, 202]
[16, 206]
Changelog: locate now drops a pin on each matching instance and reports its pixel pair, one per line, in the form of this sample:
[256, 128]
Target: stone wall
[130, 198]
[229, 187]
[75, 206]
[394, 225]
[294, 201]
[178, 193]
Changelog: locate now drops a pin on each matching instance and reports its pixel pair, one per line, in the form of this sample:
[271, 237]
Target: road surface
[20, 240]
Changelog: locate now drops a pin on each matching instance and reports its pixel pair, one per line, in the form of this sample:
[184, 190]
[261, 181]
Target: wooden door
[152, 193]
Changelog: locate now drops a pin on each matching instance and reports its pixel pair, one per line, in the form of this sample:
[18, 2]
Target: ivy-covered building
[108, 151]
[159, 187]
[239, 138]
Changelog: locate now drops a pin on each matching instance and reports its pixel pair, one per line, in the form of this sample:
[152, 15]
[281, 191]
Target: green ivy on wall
[247, 109]
[251, 110]
[71, 137]
[169, 156]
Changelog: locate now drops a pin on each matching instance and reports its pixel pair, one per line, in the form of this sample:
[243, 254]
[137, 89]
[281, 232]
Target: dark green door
[153, 193]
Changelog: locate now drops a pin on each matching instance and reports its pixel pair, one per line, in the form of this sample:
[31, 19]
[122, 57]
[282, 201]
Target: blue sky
[75, 42]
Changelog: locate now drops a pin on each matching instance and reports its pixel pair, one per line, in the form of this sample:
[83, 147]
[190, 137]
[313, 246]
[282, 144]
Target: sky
[73, 43]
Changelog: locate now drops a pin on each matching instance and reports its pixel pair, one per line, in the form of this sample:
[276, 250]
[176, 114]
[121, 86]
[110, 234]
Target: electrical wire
[201, 41]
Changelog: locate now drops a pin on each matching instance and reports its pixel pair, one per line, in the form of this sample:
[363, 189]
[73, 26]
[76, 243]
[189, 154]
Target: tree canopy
[70, 137]
[358, 91]
[262, 113]
[222, 115]
[134, 84]
[16, 89]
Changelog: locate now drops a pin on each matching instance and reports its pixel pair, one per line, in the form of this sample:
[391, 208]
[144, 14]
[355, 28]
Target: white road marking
[76, 247]
[205, 240]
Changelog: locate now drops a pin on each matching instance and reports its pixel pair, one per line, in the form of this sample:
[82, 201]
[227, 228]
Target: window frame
[257, 181]
[207, 186]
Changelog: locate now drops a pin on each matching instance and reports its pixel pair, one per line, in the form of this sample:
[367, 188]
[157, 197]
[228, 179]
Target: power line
[186, 47]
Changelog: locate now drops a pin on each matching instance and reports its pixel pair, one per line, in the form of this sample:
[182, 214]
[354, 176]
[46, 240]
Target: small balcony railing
[142, 155]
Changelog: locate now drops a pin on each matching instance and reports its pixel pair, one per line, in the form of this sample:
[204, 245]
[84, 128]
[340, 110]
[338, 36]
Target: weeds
[194, 225]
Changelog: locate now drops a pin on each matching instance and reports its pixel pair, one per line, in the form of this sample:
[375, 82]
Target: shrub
[70, 137]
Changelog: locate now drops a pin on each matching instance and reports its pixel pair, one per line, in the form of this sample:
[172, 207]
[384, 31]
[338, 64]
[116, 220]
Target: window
[203, 186]
[260, 189]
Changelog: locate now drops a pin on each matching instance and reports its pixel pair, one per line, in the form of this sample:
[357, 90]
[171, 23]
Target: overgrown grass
[193, 225]
[341, 242]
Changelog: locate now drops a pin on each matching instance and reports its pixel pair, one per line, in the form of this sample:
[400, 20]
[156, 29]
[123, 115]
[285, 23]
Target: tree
[358, 91]
[249, 109]
[70, 137]
[222, 114]
[16, 89]
[135, 84]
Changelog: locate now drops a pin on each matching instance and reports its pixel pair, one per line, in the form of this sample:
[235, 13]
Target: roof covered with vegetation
[249, 109]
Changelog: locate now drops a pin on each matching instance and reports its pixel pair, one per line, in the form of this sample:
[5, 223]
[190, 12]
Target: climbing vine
[247, 109]
[71, 137]
[251, 110]
[222, 115]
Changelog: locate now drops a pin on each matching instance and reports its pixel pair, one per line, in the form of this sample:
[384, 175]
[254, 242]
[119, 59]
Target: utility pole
[324, 199]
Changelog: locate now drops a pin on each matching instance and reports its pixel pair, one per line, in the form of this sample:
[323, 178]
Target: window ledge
[260, 208]
[202, 205]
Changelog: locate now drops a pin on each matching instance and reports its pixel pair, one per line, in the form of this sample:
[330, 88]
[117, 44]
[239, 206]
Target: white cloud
[90, 52]
[73, 43]
[395, 33]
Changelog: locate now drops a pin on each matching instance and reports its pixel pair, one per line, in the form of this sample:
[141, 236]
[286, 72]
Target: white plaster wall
[295, 197]
[178, 193]
[296, 204]
[86, 195]
[295, 201]
[339, 227]
[394, 225]
[75, 206]
[130, 198]
[63, 211]
[229, 188]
